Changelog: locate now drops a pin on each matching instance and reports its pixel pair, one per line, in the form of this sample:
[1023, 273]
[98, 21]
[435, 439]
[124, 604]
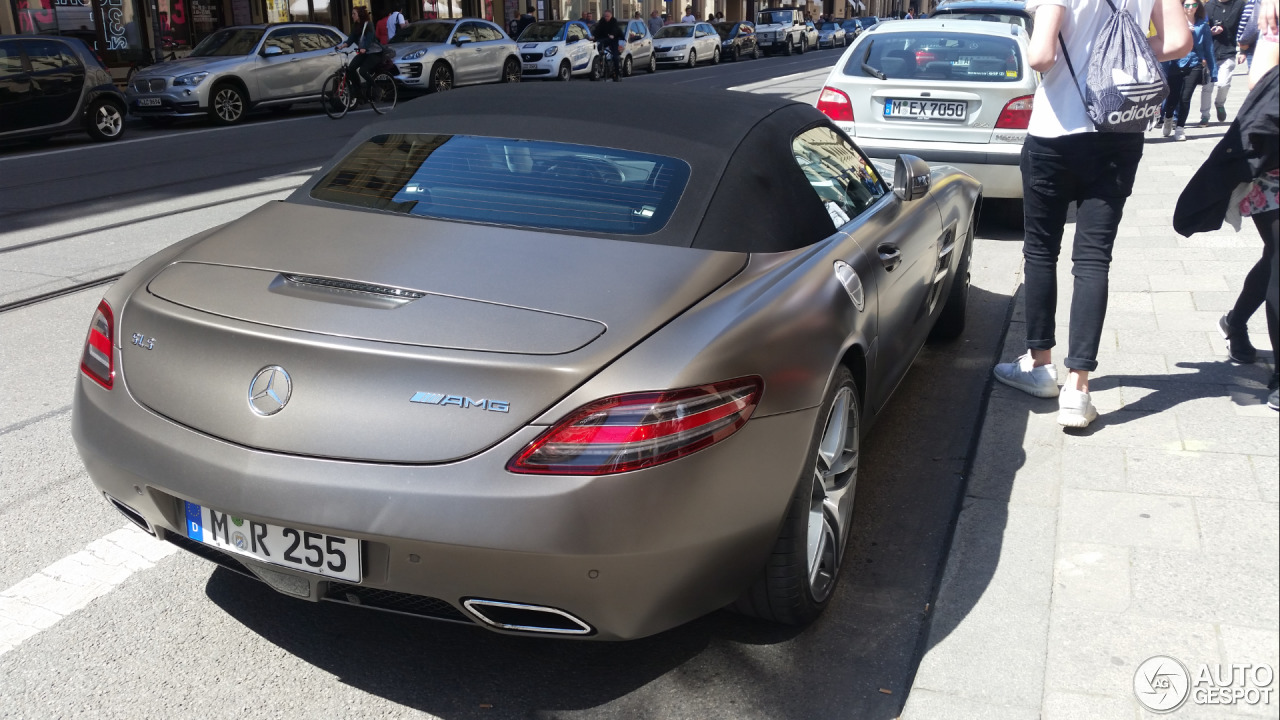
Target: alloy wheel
[565, 73]
[108, 120]
[441, 78]
[228, 104]
[511, 72]
[831, 499]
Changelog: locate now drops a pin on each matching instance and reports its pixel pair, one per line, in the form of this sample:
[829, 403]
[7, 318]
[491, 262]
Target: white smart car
[558, 50]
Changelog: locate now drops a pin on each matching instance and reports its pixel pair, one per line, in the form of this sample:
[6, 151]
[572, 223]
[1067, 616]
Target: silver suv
[782, 30]
[236, 69]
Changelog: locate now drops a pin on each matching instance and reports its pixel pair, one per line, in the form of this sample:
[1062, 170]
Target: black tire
[441, 78]
[597, 69]
[786, 590]
[950, 324]
[565, 73]
[788, 47]
[511, 71]
[804, 44]
[382, 93]
[715, 56]
[653, 62]
[737, 53]
[228, 104]
[693, 60]
[104, 120]
[627, 69]
[755, 54]
[333, 97]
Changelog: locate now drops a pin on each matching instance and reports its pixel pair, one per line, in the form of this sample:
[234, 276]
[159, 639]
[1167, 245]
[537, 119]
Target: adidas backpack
[1124, 87]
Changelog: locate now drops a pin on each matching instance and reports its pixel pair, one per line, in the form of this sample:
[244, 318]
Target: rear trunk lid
[421, 341]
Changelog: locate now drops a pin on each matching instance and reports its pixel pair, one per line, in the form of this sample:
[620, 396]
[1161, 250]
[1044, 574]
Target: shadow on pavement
[855, 662]
[1245, 385]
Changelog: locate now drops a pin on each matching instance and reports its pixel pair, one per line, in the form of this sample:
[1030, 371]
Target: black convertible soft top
[746, 193]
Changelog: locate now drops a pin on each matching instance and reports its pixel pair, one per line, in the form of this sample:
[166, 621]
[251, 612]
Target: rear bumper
[630, 554]
[995, 165]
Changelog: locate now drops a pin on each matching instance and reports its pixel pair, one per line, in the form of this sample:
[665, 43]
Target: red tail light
[835, 105]
[923, 58]
[640, 430]
[98, 361]
[1017, 114]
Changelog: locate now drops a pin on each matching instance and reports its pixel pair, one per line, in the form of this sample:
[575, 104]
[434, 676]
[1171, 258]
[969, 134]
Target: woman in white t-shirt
[1065, 160]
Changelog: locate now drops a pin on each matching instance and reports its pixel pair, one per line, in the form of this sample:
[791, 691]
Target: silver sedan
[437, 55]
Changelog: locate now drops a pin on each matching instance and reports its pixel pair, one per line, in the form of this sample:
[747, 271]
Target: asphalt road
[177, 638]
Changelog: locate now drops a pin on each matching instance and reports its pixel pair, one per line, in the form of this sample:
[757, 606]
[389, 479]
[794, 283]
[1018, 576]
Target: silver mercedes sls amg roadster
[535, 372]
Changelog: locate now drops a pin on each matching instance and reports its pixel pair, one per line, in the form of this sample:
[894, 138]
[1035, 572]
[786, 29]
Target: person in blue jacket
[1188, 73]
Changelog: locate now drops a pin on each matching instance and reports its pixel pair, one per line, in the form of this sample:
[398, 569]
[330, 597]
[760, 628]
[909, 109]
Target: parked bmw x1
[237, 69]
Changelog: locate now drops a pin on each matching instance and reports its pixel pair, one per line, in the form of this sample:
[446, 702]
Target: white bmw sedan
[947, 91]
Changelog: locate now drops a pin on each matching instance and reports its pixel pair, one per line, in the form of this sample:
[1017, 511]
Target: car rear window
[523, 183]
[939, 56]
[999, 17]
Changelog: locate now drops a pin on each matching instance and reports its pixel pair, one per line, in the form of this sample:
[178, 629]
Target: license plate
[148, 102]
[530, 66]
[925, 109]
[327, 555]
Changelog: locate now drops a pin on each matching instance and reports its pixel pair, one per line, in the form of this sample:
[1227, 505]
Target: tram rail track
[60, 292]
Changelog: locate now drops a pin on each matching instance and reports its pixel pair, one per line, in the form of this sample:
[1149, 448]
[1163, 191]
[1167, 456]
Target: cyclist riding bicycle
[364, 38]
[608, 33]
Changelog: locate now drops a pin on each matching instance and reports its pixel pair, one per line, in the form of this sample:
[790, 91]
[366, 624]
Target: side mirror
[271, 51]
[910, 178]
[461, 40]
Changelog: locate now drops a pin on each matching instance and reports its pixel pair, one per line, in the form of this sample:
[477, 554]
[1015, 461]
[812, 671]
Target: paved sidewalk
[1079, 555]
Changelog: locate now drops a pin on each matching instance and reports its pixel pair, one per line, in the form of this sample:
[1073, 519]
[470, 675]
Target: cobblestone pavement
[1079, 555]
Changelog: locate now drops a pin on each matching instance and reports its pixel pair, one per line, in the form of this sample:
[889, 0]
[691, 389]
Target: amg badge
[427, 398]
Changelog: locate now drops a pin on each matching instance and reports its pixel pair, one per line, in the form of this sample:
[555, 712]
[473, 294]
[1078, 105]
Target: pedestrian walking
[1187, 74]
[1224, 24]
[1065, 159]
[655, 22]
[527, 19]
[395, 21]
[1240, 178]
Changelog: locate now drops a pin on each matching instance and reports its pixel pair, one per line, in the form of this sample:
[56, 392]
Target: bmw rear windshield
[521, 183]
[938, 56]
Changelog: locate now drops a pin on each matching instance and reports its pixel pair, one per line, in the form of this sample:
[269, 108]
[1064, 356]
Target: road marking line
[70, 584]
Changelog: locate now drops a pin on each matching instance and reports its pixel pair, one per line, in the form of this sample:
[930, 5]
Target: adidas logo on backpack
[1124, 86]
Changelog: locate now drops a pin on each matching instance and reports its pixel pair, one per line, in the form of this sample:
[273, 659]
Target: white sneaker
[1039, 381]
[1179, 134]
[1168, 127]
[1075, 409]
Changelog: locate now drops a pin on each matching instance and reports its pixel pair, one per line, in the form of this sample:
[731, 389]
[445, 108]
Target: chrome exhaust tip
[526, 618]
[134, 516]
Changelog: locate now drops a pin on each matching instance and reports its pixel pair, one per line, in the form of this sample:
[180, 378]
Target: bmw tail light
[835, 105]
[98, 362]
[640, 430]
[1017, 114]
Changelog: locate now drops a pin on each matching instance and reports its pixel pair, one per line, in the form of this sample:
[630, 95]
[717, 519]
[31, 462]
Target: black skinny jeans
[363, 64]
[1096, 171]
[1262, 284]
[1183, 84]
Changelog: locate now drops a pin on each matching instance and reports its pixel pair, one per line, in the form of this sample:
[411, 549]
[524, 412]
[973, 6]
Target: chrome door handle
[890, 256]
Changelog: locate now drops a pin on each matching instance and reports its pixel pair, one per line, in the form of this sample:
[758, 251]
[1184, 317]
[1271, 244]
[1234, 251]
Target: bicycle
[338, 100]
[612, 60]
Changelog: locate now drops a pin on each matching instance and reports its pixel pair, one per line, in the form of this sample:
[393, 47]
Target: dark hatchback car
[1004, 11]
[54, 85]
[738, 40]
